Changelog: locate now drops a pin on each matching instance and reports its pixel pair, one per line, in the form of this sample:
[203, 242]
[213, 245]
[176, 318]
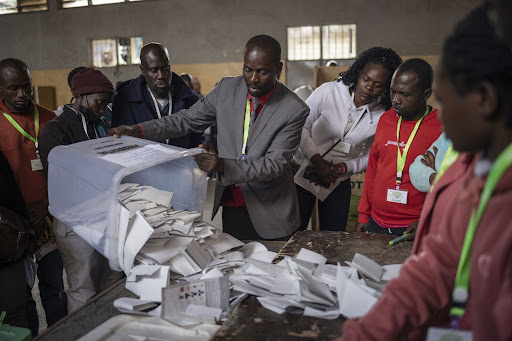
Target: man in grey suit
[259, 122]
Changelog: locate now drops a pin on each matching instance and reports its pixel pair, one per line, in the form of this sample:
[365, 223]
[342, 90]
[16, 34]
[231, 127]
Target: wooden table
[250, 321]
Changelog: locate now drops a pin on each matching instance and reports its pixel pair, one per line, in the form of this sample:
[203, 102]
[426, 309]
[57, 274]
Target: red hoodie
[381, 171]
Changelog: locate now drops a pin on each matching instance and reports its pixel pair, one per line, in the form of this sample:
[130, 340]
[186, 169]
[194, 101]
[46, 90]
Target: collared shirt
[233, 196]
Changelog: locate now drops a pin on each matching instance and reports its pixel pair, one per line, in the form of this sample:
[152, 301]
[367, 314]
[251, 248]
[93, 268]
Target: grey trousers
[87, 270]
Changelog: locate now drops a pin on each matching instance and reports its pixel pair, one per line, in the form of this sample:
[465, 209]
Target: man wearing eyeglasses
[156, 93]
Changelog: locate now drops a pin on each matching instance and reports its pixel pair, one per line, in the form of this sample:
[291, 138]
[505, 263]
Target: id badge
[342, 147]
[36, 165]
[445, 334]
[398, 196]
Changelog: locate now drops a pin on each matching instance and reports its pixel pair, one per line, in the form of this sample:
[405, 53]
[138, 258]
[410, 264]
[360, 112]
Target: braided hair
[474, 53]
[387, 58]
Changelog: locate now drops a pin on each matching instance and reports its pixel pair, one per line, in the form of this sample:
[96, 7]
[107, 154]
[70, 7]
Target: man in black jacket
[154, 94]
[88, 272]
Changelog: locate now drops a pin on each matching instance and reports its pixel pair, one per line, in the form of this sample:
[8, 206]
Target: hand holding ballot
[210, 161]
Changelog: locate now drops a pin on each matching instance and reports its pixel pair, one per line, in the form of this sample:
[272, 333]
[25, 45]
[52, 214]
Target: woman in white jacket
[344, 114]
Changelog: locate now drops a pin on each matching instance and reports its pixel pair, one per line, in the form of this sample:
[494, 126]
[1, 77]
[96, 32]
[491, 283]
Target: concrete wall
[215, 31]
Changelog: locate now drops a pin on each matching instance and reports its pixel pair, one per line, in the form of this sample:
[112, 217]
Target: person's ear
[488, 100]
[141, 68]
[279, 68]
[427, 93]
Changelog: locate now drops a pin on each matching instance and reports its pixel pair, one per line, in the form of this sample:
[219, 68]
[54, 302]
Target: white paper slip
[162, 198]
[268, 268]
[139, 156]
[134, 304]
[171, 249]
[390, 271]
[252, 247]
[213, 273]
[183, 265]
[139, 232]
[264, 256]
[142, 270]
[286, 286]
[150, 287]
[317, 287]
[198, 254]
[329, 314]
[310, 256]
[367, 267]
[223, 243]
[356, 302]
[202, 310]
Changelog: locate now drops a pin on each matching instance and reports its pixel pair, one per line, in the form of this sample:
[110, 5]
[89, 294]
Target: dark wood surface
[101, 308]
[250, 321]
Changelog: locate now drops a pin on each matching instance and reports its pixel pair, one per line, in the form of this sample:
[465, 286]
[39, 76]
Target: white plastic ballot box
[84, 179]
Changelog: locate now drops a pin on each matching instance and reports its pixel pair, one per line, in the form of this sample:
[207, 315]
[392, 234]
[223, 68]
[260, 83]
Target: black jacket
[63, 130]
[132, 105]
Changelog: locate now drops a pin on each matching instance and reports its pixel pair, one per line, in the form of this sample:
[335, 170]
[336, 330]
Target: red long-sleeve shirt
[381, 172]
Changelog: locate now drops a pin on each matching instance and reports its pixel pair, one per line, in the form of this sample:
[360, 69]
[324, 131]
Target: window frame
[352, 48]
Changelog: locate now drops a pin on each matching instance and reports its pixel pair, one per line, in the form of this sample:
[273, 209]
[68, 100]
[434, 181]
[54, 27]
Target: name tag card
[342, 147]
[444, 334]
[36, 165]
[397, 196]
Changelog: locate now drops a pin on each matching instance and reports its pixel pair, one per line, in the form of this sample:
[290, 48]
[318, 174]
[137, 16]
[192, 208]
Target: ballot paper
[356, 302]
[212, 293]
[139, 232]
[367, 267]
[150, 287]
[128, 304]
[223, 243]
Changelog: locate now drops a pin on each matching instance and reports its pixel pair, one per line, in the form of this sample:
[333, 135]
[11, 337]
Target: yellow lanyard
[22, 131]
[449, 158]
[460, 293]
[246, 127]
[400, 159]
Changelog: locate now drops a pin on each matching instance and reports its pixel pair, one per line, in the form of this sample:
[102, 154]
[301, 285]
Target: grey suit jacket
[265, 175]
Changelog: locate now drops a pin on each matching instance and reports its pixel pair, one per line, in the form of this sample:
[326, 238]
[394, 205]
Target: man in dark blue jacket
[155, 93]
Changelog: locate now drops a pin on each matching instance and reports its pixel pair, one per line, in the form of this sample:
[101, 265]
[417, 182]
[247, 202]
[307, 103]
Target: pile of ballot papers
[212, 270]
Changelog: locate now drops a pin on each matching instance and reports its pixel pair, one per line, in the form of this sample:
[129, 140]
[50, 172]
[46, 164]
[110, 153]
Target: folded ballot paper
[173, 258]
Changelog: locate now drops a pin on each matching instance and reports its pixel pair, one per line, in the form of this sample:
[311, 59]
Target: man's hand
[209, 162]
[429, 159]
[133, 130]
[361, 227]
[327, 174]
[412, 230]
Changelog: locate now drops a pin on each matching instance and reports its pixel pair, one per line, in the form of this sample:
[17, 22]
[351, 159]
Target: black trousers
[332, 212]
[376, 228]
[237, 222]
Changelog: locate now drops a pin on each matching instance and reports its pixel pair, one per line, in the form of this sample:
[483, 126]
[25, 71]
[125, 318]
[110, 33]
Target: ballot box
[84, 181]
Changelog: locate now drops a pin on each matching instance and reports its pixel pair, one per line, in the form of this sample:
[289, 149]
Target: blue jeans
[332, 212]
[51, 290]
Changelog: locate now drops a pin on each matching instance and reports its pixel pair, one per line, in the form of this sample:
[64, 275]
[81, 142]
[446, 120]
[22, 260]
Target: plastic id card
[36, 165]
[398, 196]
[445, 334]
[342, 147]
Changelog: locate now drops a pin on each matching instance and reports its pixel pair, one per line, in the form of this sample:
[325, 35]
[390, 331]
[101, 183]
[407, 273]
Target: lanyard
[461, 289]
[246, 127]
[157, 108]
[400, 160]
[84, 124]
[449, 158]
[22, 131]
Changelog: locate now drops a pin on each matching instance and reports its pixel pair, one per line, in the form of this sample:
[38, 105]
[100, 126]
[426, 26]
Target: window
[118, 51]
[322, 42]
[83, 3]
[22, 6]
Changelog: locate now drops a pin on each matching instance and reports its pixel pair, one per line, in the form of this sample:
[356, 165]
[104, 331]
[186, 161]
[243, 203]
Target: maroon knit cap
[90, 81]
